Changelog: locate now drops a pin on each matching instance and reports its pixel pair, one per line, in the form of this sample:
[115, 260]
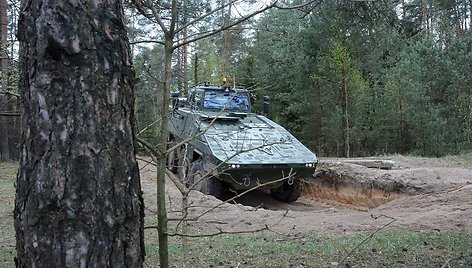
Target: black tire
[289, 192]
[183, 160]
[209, 185]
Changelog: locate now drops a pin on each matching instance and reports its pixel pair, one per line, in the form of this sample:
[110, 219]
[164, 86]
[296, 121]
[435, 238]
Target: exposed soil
[418, 194]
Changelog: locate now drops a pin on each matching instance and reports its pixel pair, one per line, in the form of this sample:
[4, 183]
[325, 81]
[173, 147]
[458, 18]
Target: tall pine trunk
[4, 121]
[4, 124]
[345, 118]
[78, 196]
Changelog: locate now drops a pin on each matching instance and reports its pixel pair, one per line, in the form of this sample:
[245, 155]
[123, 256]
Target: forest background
[348, 78]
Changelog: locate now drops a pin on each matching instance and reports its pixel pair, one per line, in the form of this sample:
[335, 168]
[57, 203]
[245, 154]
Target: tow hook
[291, 180]
[246, 181]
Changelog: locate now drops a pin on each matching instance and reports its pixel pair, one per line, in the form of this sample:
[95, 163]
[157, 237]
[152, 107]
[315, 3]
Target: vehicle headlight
[234, 166]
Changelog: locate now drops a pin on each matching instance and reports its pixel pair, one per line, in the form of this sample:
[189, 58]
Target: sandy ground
[418, 194]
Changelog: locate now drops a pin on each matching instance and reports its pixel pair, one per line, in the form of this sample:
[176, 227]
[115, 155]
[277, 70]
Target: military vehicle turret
[228, 146]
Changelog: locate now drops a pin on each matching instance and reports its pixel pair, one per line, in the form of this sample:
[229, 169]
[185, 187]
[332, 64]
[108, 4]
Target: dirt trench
[420, 194]
[351, 186]
[331, 187]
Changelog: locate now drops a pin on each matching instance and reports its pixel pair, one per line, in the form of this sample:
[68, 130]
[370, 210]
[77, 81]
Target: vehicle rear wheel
[172, 159]
[289, 192]
[203, 183]
[184, 159]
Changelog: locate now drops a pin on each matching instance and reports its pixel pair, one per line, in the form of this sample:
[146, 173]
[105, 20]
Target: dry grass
[7, 197]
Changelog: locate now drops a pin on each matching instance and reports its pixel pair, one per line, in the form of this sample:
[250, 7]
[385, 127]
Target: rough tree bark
[78, 196]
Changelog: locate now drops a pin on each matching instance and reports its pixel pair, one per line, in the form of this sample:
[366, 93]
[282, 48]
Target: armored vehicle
[226, 146]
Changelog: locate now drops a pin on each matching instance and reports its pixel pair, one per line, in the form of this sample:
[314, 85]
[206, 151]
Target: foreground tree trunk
[78, 196]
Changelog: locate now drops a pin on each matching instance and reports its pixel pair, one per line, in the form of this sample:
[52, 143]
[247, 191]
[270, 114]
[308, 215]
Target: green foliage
[283, 74]
[208, 68]
[148, 92]
[358, 76]
[355, 77]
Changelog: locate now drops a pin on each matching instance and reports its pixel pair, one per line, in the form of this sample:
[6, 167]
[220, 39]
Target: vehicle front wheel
[289, 192]
[202, 182]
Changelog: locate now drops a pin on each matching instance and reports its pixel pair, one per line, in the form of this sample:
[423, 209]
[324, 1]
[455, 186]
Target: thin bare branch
[225, 27]
[239, 195]
[139, 6]
[197, 134]
[369, 237]
[204, 16]
[6, 92]
[9, 114]
[147, 127]
[158, 17]
[297, 6]
[147, 42]
[210, 172]
[221, 232]
[154, 152]
[182, 188]
[447, 263]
